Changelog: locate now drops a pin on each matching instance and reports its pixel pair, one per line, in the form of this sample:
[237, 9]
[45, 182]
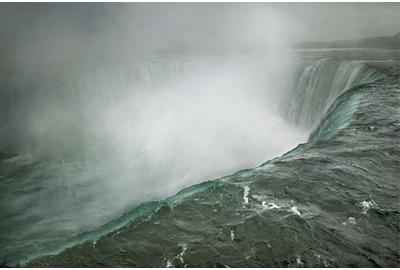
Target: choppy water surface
[331, 202]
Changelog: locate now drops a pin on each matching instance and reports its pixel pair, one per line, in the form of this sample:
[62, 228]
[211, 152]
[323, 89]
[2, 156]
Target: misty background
[104, 106]
[38, 36]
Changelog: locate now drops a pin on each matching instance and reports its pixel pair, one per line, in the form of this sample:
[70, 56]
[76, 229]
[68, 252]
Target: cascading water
[320, 200]
[93, 143]
[146, 131]
[321, 83]
[199, 135]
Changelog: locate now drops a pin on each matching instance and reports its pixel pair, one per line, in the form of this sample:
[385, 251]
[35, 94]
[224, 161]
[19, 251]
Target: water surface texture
[332, 201]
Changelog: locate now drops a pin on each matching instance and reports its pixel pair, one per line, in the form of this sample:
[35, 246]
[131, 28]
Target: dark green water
[332, 202]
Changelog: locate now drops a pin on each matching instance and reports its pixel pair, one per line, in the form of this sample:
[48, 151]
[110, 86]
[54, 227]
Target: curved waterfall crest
[151, 109]
[321, 83]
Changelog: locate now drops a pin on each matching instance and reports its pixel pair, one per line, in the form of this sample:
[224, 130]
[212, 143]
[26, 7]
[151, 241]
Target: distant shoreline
[381, 42]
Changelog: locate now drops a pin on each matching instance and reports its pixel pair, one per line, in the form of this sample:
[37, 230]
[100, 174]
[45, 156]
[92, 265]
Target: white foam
[232, 235]
[295, 210]
[169, 264]
[322, 258]
[270, 205]
[350, 220]
[246, 195]
[182, 253]
[366, 205]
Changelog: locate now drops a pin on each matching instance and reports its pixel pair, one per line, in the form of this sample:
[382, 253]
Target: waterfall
[37, 109]
[75, 100]
[320, 84]
[110, 138]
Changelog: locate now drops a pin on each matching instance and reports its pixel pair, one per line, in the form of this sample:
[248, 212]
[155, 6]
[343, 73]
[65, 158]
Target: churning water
[91, 155]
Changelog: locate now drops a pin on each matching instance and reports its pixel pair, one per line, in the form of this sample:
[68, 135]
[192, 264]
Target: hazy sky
[33, 33]
[319, 21]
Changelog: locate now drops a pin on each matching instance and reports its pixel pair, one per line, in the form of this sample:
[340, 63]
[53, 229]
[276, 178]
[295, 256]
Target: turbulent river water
[332, 201]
